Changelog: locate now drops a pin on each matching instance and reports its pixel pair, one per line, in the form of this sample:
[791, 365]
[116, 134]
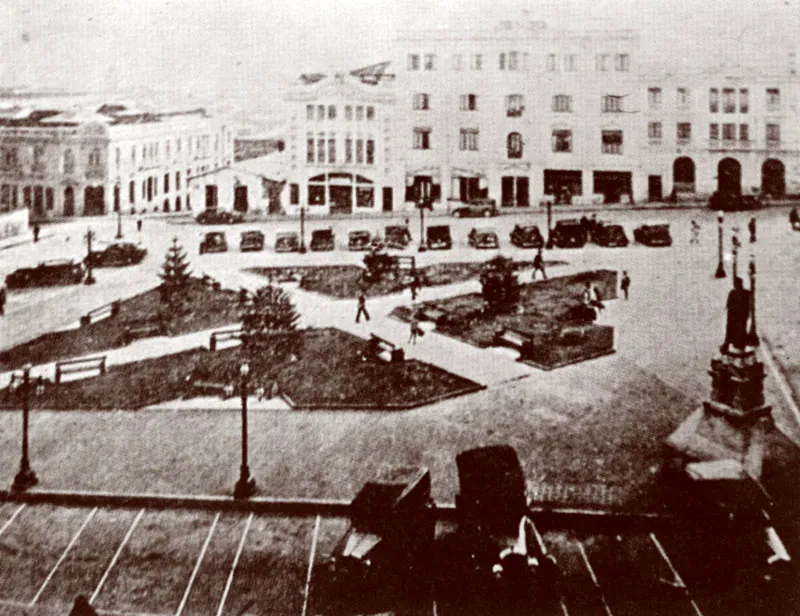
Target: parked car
[397, 236]
[438, 237]
[219, 217]
[477, 208]
[527, 236]
[52, 272]
[609, 235]
[117, 254]
[728, 201]
[251, 241]
[359, 240]
[322, 240]
[794, 219]
[653, 234]
[287, 241]
[214, 242]
[483, 238]
[569, 234]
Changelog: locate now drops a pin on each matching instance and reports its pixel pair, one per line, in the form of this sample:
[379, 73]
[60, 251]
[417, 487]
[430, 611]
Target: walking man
[414, 288]
[2, 299]
[362, 307]
[36, 230]
[139, 224]
[625, 284]
[751, 226]
[538, 265]
[416, 330]
[695, 239]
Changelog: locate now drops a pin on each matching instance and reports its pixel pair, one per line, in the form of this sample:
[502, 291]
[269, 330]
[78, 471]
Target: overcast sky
[254, 47]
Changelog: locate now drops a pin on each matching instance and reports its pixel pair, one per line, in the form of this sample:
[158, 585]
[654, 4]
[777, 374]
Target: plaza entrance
[729, 176]
[773, 178]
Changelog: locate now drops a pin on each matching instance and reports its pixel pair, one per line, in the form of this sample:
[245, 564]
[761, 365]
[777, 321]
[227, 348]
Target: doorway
[387, 198]
[613, 184]
[341, 199]
[729, 176]
[211, 196]
[69, 201]
[240, 203]
[773, 178]
[94, 201]
[654, 189]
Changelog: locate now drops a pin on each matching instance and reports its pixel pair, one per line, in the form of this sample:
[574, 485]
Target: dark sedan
[359, 240]
[569, 234]
[219, 217]
[609, 235]
[397, 236]
[653, 234]
[287, 241]
[527, 236]
[477, 208]
[483, 238]
[251, 241]
[117, 254]
[322, 240]
[53, 272]
[438, 237]
[214, 242]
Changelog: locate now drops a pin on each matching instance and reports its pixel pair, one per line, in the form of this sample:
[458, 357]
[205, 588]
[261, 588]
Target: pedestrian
[416, 330]
[407, 222]
[695, 239]
[2, 299]
[597, 300]
[139, 224]
[625, 284]
[751, 226]
[538, 265]
[362, 307]
[36, 230]
[414, 287]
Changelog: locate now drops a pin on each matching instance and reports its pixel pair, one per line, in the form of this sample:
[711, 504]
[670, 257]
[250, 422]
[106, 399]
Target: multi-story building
[338, 146]
[721, 129]
[72, 163]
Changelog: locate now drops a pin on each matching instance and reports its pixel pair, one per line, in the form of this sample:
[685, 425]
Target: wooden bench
[224, 335]
[98, 314]
[223, 390]
[385, 350]
[433, 314]
[143, 331]
[405, 263]
[87, 364]
[516, 340]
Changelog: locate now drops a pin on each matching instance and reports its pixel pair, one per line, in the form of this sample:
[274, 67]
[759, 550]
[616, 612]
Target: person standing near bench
[538, 265]
[416, 330]
[625, 284]
[362, 307]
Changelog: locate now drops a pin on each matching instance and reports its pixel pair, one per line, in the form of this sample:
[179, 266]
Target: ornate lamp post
[246, 485]
[752, 335]
[119, 221]
[421, 208]
[26, 478]
[549, 205]
[720, 273]
[735, 251]
[303, 230]
[89, 276]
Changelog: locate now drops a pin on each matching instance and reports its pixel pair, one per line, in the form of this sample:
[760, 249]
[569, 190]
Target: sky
[250, 49]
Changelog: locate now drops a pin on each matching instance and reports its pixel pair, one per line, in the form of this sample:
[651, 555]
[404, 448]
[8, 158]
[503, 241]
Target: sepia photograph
[399, 308]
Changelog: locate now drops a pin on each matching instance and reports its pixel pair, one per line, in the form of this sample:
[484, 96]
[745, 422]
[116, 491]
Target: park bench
[572, 334]
[87, 364]
[224, 335]
[385, 350]
[146, 330]
[515, 340]
[433, 314]
[200, 386]
[98, 314]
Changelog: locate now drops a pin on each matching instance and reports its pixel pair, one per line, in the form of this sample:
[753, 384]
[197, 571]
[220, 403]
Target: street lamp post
[735, 253]
[25, 478]
[421, 208]
[89, 276]
[549, 205]
[119, 221]
[246, 485]
[720, 273]
[302, 230]
[753, 334]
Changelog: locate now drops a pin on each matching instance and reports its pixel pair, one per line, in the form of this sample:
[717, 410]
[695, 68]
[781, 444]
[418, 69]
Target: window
[294, 194]
[177, 180]
[570, 63]
[729, 100]
[744, 100]
[654, 131]
[49, 198]
[622, 62]
[348, 150]
[331, 150]
[468, 102]
[502, 61]
[612, 104]
[133, 155]
[38, 155]
[773, 99]
[430, 61]
[562, 103]
[166, 182]
[331, 112]
[601, 62]
[654, 97]
[744, 132]
[359, 113]
[513, 61]
[422, 139]
[348, 112]
[310, 150]
[729, 132]
[552, 62]
[468, 139]
[515, 105]
[683, 97]
[370, 152]
[773, 134]
[132, 192]
[684, 132]
[458, 62]
[370, 113]
[94, 158]
[320, 115]
[413, 62]
[562, 141]
[612, 141]
[421, 102]
[713, 100]
[320, 150]
[359, 151]
[514, 145]
[476, 63]
[69, 160]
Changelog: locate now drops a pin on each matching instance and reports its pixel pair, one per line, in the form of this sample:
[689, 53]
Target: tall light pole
[720, 273]
[89, 237]
[25, 478]
[549, 205]
[421, 208]
[735, 252]
[246, 485]
[119, 218]
[302, 230]
[753, 333]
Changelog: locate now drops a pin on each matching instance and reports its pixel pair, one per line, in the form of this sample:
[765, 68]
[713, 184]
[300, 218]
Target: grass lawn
[329, 372]
[207, 308]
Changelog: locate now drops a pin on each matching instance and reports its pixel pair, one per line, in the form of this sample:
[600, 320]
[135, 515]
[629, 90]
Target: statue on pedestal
[739, 307]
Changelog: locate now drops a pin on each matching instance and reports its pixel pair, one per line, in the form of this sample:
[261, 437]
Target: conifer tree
[175, 275]
[272, 310]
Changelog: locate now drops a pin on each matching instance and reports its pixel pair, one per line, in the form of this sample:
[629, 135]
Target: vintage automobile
[214, 241]
[251, 241]
[219, 217]
[526, 236]
[52, 272]
[653, 234]
[483, 238]
[794, 219]
[117, 254]
[359, 240]
[477, 208]
[391, 534]
[397, 236]
[609, 235]
[569, 234]
[728, 201]
[438, 237]
[322, 240]
[287, 241]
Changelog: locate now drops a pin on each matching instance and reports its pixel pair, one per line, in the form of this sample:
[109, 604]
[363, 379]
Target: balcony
[514, 113]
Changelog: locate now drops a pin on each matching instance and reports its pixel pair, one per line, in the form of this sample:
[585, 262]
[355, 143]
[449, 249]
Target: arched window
[94, 157]
[69, 161]
[514, 145]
